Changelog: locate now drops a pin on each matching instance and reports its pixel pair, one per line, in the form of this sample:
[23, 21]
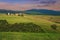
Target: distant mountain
[8, 11]
[42, 11]
[33, 12]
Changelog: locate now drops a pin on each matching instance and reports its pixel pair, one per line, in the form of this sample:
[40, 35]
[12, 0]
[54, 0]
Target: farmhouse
[17, 14]
[8, 14]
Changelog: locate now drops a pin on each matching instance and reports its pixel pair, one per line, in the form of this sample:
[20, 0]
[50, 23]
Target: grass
[28, 36]
[41, 20]
[14, 19]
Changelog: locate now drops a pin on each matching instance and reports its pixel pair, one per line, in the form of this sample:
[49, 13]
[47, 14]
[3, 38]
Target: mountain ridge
[44, 11]
[33, 11]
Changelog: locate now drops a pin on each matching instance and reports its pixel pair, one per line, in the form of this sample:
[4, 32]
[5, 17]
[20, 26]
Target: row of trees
[21, 27]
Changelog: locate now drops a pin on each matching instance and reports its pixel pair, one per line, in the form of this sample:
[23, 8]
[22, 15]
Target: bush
[3, 25]
[26, 27]
[3, 22]
[19, 27]
[54, 26]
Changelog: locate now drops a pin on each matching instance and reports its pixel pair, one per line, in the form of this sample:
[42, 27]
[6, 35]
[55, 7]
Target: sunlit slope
[14, 19]
[27, 18]
[42, 22]
[36, 19]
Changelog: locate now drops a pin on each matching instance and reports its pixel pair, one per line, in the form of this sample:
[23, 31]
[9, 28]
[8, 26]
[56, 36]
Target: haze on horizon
[30, 4]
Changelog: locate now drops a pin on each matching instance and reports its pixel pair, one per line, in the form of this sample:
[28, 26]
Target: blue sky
[17, 1]
[26, 1]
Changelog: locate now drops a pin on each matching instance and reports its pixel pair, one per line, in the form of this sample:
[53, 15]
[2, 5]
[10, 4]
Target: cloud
[18, 6]
[48, 2]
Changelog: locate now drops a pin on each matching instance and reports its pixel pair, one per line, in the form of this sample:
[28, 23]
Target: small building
[8, 14]
[19, 14]
[16, 14]
[12, 14]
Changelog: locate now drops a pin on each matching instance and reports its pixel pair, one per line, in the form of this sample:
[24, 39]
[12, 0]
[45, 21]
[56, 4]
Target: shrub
[54, 26]
[3, 22]
[26, 27]
[19, 27]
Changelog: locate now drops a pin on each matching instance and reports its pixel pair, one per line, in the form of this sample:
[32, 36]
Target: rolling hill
[40, 20]
[33, 11]
[43, 11]
[8, 11]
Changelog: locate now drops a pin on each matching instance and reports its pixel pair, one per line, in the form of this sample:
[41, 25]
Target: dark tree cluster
[22, 27]
[54, 26]
[19, 27]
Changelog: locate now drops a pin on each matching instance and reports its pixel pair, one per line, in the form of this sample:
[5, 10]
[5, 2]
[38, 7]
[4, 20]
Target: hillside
[8, 11]
[21, 28]
[42, 12]
[44, 23]
[28, 36]
[33, 11]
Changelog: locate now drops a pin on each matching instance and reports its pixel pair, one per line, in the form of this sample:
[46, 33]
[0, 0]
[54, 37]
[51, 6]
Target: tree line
[21, 27]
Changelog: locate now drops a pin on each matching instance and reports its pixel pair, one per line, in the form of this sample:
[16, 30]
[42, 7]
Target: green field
[42, 20]
[29, 36]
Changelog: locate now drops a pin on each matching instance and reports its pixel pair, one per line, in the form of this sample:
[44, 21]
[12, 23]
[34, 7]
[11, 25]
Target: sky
[30, 4]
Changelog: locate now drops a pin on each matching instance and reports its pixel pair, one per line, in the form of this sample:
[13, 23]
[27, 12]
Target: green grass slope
[28, 36]
[39, 20]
